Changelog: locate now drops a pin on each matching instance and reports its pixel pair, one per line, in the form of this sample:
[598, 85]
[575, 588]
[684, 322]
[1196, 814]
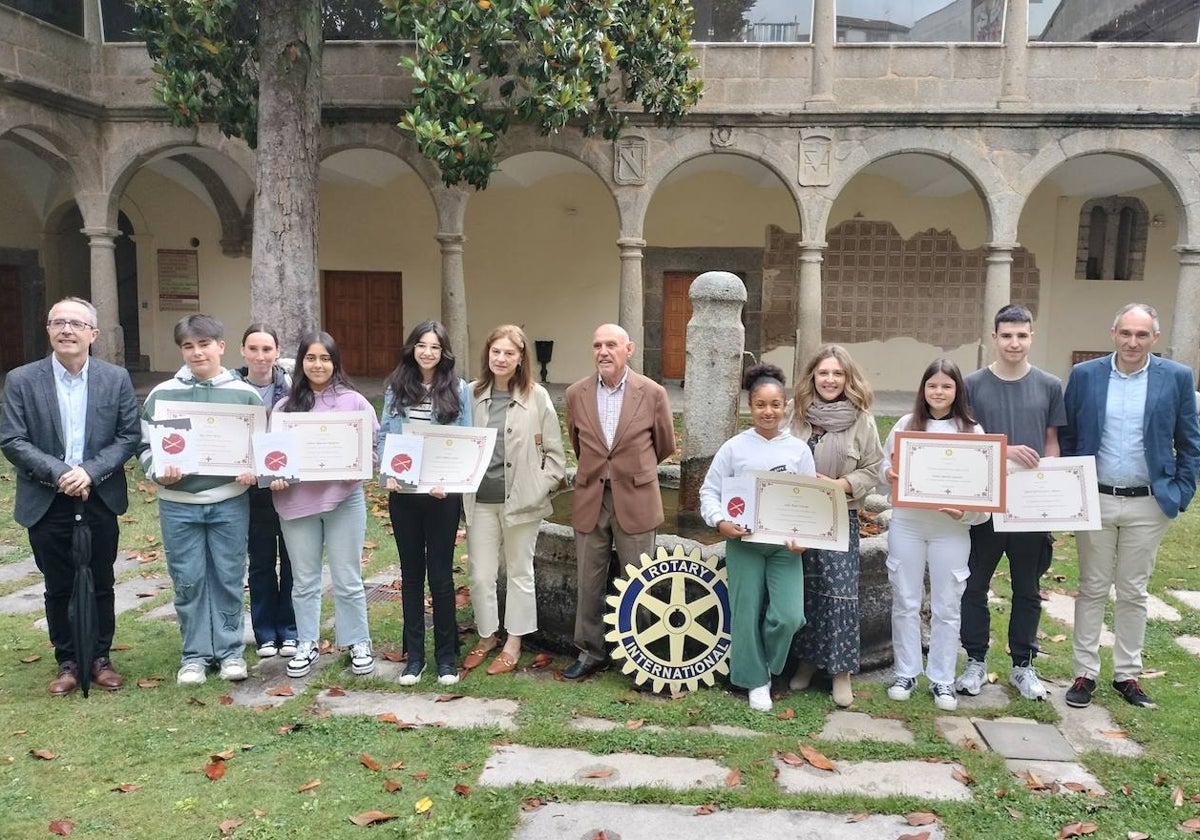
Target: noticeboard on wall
[178, 280]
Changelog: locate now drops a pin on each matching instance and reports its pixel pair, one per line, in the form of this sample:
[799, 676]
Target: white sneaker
[943, 696]
[300, 664]
[760, 698]
[1025, 678]
[361, 661]
[973, 677]
[902, 688]
[288, 648]
[192, 673]
[267, 649]
[234, 669]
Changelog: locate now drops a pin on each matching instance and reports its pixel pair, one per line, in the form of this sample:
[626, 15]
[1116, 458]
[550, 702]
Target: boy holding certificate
[205, 518]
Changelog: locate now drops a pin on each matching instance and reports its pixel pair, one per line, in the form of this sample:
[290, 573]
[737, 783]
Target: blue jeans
[206, 557]
[340, 532]
[271, 612]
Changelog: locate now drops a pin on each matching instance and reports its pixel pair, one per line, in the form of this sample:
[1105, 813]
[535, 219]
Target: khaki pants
[486, 538]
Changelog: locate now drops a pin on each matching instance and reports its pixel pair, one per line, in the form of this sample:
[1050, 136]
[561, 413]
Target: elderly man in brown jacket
[620, 427]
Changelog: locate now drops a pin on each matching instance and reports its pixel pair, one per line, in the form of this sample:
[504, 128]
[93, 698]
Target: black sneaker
[412, 672]
[1080, 693]
[1133, 694]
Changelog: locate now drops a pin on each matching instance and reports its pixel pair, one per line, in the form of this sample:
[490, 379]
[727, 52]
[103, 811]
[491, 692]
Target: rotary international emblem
[670, 620]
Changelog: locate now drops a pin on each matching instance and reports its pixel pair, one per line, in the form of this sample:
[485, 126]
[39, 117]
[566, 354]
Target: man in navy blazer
[1137, 414]
[70, 423]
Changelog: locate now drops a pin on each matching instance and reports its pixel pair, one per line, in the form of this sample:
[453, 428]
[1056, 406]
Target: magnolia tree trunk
[283, 274]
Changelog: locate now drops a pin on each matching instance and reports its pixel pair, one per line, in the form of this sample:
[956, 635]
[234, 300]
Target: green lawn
[160, 738]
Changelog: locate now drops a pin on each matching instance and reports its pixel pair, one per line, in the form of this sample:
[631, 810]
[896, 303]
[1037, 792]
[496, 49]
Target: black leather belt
[1127, 492]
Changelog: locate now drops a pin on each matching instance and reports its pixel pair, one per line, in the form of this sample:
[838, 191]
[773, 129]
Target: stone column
[1185, 326]
[824, 35]
[997, 292]
[1015, 71]
[110, 344]
[454, 298]
[808, 305]
[631, 309]
[715, 341]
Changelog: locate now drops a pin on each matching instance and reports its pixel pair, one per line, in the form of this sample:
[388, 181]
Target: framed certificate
[1057, 494]
[949, 470]
[330, 445]
[454, 457]
[221, 434]
[810, 510]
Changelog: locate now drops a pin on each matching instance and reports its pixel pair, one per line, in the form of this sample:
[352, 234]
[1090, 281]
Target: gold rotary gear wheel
[670, 620]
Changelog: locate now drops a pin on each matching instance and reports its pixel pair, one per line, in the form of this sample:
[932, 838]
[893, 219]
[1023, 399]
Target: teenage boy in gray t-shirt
[1013, 398]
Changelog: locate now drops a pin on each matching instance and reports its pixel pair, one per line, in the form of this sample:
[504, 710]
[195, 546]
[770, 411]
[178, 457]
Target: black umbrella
[85, 624]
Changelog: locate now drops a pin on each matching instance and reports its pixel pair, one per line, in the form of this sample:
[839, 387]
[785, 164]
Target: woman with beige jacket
[831, 412]
[528, 464]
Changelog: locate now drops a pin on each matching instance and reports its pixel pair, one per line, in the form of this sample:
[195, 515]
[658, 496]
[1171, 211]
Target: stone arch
[1171, 167]
[380, 137]
[591, 152]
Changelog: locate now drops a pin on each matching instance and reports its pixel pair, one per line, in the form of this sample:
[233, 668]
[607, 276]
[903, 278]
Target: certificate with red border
[221, 433]
[1059, 494]
[330, 445]
[938, 470]
[454, 458]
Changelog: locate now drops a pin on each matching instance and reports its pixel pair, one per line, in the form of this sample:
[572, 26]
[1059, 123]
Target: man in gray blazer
[70, 423]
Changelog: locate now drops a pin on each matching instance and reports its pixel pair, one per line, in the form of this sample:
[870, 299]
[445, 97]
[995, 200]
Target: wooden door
[12, 331]
[677, 311]
[364, 313]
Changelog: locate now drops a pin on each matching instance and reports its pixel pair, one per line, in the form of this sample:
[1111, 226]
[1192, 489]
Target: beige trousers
[486, 539]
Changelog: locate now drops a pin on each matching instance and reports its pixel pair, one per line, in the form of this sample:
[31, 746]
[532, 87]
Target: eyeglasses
[59, 324]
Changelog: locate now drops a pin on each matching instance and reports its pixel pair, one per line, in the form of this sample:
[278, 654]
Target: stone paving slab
[993, 696]
[1190, 598]
[1063, 772]
[1025, 739]
[921, 779]
[16, 571]
[958, 731]
[271, 673]
[24, 601]
[166, 612]
[1156, 608]
[576, 820]
[1062, 608]
[515, 764]
[424, 709]
[1085, 729]
[129, 595]
[591, 724]
[1189, 643]
[858, 726]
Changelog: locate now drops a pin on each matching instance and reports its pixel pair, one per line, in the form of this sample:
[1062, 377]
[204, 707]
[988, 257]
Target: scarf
[835, 418]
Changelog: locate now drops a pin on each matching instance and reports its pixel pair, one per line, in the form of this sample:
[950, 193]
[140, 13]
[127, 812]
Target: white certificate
[171, 446]
[1059, 494]
[402, 459]
[276, 455]
[809, 510]
[221, 433]
[331, 445]
[455, 457]
[949, 470]
[737, 500]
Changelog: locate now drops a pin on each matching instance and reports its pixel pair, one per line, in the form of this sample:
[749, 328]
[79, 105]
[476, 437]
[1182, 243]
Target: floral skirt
[830, 639]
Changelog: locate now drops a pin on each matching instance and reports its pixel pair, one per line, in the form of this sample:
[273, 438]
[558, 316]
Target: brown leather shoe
[104, 676]
[67, 679]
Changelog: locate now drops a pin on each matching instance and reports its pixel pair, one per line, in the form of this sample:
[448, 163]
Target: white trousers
[486, 538]
[916, 540]
[1121, 555]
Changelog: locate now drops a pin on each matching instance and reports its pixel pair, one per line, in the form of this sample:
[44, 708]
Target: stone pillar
[997, 292]
[1185, 326]
[808, 305]
[454, 298]
[110, 344]
[824, 35]
[1013, 93]
[631, 310]
[715, 341]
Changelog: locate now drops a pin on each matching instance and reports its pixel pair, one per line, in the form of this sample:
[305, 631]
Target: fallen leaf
[370, 544]
[19, 732]
[396, 765]
[1014, 813]
[463, 765]
[1114, 733]
[969, 744]
[1160, 779]
[1136, 835]
[733, 778]
[446, 698]
[1059, 637]
[1177, 797]
[705, 810]
[390, 786]
[283, 730]
[335, 691]
[45, 755]
[602, 773]
[532, 804]
[227, 826]
[1076, 829]
[1152, 675]
[992, 677]
[1127, 790]
[126, 787]
[281, 691]
[1191, 826]
[371, 817]
[542, 660]
[786, 714]
[370, 763]
[1074, 786]
[792, 760]
[308, 786]
[258, 812]
[962, 776]
[631, 725]
[462, 790]
[420, 775]
[857, 818]
[393, 656]
[920, 818]
[195, 701]
[224, 755]
[816, 758]
[423, 805]
[214, 770]
[920, 835]
[61, 827]
[225, 700]
[149, 682]
[31, 658]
